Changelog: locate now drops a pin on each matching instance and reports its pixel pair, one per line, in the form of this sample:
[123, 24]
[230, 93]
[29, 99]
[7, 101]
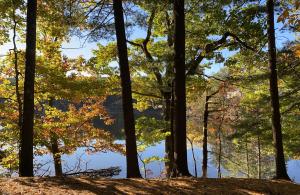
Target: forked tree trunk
[133, 170]
[180, 155]
[281, 172]
[26, 134]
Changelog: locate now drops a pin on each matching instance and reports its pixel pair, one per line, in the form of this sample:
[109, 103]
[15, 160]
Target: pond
[102, 160]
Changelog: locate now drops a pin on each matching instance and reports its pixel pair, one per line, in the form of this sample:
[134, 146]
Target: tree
[281, 172]
[205, 123]
[180, 145]
[157, 48]
[250, 76]
[129, 126]
[26, 135]
[160, 72]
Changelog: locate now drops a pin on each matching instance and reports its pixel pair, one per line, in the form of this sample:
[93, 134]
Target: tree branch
[144, 47]
[193, 65]
[291, 107]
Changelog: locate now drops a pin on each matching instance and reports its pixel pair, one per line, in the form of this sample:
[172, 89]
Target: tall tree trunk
[169, 141]
[205, 124]
[180, 155]
[26, 134]
[220, 144]
[281, 172]
[204, 147]
[129, 125]
[169, 115]
[258, 158]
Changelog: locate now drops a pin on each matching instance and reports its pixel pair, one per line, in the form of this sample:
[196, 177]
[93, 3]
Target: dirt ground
[86, 186]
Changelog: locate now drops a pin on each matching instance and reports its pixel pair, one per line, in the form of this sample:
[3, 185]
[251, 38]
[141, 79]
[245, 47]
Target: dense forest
[219, 76]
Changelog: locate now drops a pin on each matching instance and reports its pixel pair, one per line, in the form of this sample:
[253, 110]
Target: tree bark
[169, 142]
[204, 147]
[180, 161]
[281, 172]
[26, 134]
[129, 124]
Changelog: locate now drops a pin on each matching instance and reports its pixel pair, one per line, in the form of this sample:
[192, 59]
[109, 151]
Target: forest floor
[73, 185]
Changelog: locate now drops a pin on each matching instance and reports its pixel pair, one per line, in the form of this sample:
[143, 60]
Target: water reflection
[109, 159]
